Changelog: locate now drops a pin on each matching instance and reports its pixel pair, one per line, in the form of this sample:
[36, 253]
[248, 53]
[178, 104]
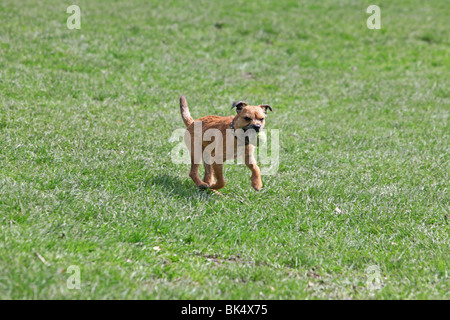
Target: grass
[86, 177]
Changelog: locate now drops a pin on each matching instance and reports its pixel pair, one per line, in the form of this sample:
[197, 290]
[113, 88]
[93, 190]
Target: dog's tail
[185, 114]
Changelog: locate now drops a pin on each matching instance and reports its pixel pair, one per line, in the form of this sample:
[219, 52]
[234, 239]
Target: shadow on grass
[175, 186]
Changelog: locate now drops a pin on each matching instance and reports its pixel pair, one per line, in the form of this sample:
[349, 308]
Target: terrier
[232, 137]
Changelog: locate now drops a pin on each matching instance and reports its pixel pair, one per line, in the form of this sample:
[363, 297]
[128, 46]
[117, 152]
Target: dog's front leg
[209, 174]
[256, 172]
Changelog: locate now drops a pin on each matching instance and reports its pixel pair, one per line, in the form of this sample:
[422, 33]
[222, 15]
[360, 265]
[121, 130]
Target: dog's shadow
[175, 186]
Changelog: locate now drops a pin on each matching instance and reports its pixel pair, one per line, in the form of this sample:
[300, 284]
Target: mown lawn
[86, 177]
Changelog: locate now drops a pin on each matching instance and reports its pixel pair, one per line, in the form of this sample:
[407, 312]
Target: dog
[233, 130]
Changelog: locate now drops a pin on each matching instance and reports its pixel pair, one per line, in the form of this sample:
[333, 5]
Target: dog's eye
[247, 119]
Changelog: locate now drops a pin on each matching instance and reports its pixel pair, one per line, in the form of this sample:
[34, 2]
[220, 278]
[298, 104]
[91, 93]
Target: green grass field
[86, 176]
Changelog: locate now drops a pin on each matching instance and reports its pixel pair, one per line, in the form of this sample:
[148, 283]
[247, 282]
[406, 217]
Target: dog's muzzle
[256, 127]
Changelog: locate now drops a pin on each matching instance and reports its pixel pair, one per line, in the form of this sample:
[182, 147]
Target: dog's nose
[257, 127]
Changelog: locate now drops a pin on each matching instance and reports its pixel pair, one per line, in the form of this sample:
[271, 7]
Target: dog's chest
[227, 145]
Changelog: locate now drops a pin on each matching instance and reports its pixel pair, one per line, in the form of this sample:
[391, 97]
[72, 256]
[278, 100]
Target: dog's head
[250, 117]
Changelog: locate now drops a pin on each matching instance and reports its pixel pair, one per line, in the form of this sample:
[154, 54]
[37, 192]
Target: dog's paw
[257, 185]
[203, 186]
[218, 185]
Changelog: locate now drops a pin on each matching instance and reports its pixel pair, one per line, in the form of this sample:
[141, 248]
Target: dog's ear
[239, 105]
[265, 107]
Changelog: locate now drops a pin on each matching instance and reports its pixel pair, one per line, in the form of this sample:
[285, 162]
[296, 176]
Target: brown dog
[230, 140]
